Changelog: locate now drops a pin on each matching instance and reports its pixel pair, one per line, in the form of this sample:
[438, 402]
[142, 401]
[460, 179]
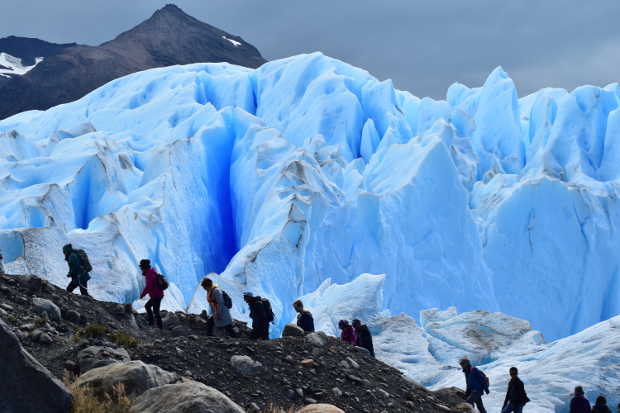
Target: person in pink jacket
[152, 288]
[348, 332]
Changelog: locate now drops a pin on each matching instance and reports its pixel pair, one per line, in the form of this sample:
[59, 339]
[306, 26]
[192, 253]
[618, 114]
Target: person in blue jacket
[477, 383]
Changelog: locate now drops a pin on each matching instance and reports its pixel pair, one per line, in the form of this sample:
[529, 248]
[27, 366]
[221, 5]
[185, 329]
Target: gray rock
[136, 376]
[42, 337]
[320, 408]
[188, 397]
[292, 330]
[45, 306]
[27, 386]
[245, 365]
[318, 339]
[97, 356]
[353, 363]
[72, 315]
[6, 307]
[337, 392]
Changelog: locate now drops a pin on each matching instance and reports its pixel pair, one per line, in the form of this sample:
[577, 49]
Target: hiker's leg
[149, 311]
[156, 305]
[479, 404]
[72, 285]
[265, 331]
[84, 288]
[507, 408]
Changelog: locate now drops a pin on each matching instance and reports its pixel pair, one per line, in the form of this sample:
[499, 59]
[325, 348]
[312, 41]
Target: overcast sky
[424, 46]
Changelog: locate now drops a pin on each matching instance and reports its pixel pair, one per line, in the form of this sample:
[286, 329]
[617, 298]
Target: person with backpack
[154, 287]
[364, 338]
[261, 315]
[348, 334]
[579, 403]
[1, 264]
[304, 317]
[601, 405]
[79, 268]
[477, 383]
[516, 397]
[220, 304]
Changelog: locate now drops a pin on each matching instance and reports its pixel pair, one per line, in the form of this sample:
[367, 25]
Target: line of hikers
[219, 324]
[516, 398]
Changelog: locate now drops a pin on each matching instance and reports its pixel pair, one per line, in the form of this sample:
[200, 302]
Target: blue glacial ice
[309, 169]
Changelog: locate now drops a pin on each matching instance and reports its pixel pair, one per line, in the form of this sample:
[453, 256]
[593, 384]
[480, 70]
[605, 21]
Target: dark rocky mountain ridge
[28, 49]
[168, 37]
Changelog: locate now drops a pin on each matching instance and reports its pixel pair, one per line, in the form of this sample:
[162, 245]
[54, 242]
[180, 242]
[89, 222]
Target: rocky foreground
[181, 369]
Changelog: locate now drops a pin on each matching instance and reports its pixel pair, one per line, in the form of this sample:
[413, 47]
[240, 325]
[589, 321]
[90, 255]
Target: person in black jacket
[364, 338]
[579, 403]
[304, 317]
[601, 405]
[516, 397]
[260, 323]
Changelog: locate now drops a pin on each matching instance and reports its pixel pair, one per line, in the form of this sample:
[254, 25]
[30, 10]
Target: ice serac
[308, 169]
[429, 352]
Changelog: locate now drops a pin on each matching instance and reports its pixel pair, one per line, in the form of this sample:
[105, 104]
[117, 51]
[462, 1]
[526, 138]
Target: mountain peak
[170, 11]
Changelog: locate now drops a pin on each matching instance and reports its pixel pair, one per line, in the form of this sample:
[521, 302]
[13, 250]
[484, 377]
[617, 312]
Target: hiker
[259, 316]
[79, 267]
[220, 313]
[364, 338]
[516, 397]
[154, 290]
[618, 407]
[476, 382]
[579, 403]
[348, 334]
[601, 405]
[1, 264]
[304, 317]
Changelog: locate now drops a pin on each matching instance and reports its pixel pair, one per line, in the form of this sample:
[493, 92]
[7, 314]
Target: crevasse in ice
[307, 169]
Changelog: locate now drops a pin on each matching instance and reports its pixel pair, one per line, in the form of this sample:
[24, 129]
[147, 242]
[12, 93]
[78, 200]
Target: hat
[248, 294]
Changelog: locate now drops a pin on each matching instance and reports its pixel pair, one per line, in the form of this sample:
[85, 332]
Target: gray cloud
[424, 46]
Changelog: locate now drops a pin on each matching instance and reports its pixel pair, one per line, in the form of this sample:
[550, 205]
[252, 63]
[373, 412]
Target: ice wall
[307, 169]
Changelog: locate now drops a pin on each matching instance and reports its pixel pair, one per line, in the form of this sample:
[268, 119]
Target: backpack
[227, 299]
[161, 282]
[269, 316]
[84, 262]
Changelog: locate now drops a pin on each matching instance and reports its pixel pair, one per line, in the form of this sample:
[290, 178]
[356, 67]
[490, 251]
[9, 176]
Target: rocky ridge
[67, 332]
[168, 37]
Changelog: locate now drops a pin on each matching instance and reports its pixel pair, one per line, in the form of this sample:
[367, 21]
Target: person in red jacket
[152, 288]
[348, 332]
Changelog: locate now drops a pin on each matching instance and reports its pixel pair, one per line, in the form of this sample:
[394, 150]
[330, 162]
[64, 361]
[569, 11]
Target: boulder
[320, 408]
[136, 376]
[98, 356]
[245, 365]
[27, 386]
[318, 339]
[45, 306]
[187, 397]
[292, 330]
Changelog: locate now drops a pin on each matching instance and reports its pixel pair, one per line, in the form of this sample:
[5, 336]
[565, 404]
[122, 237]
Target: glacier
[429, 352]
[308, 169]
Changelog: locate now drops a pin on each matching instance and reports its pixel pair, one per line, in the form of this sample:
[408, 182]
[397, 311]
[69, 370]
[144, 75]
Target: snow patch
[234, 42]
[12, 66]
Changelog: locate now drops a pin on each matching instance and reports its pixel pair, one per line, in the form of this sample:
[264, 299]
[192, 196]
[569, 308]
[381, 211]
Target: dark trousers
[152, 306]
[475, 398]
[75, 283]
[512, 408]
[260, 330]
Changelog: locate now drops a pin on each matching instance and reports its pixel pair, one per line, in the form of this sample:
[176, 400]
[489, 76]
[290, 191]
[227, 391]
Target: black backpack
[84, 262]
[227, 299]
[268, 311]
[162, 282]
